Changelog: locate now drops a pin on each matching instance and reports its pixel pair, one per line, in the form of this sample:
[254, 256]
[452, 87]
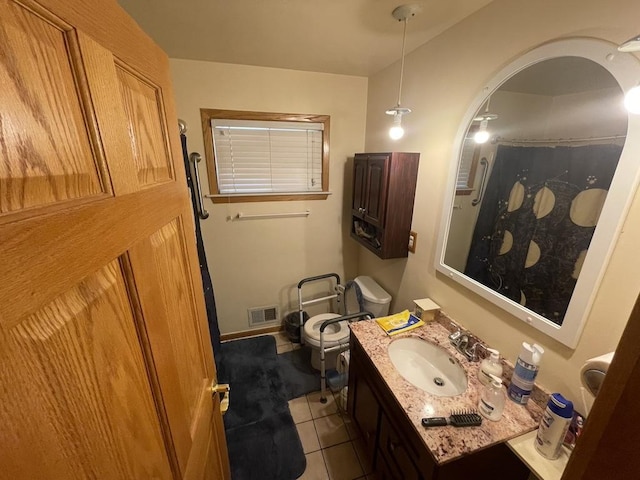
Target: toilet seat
[334, 334]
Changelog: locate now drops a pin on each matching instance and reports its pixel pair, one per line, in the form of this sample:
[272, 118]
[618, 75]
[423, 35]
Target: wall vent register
[260, 315]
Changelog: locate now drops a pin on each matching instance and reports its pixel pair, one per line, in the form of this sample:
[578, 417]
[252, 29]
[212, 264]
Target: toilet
[374, 299]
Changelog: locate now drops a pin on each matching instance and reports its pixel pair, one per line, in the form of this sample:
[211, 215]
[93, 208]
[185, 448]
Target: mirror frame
[625, 68]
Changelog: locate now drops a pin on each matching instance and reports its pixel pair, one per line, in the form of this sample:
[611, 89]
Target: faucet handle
[477, 351]
[455, 337]
[472, 352]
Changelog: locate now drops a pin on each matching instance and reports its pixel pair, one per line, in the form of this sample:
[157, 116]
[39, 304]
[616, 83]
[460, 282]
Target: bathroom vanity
[388, 411]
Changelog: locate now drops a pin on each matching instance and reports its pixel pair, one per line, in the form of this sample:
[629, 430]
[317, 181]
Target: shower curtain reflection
[536, 221]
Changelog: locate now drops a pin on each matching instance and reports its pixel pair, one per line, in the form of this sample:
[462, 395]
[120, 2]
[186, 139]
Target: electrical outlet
[413, 238]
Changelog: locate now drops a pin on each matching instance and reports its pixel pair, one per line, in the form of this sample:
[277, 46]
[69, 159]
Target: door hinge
[222, 390]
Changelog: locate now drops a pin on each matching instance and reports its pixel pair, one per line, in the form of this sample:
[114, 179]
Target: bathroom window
[257, 156]
[468, 164]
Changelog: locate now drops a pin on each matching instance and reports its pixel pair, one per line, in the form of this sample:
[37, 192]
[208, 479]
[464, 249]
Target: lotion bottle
[553, 426]
[492, 399]
[490, 366]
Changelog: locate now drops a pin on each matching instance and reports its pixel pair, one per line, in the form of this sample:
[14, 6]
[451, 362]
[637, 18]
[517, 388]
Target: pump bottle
[490, 366]
[492, 399]
[525, 372]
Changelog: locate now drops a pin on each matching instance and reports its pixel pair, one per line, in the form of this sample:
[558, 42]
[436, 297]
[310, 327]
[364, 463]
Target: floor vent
[262, 315]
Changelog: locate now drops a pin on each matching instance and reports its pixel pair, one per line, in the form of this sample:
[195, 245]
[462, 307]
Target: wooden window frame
[208, 114]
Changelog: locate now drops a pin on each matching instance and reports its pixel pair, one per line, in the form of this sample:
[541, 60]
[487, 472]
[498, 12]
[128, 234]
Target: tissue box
[426, 309]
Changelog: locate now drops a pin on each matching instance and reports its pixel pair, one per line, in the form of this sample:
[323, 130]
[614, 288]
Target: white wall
[441, 78]
[257, 263]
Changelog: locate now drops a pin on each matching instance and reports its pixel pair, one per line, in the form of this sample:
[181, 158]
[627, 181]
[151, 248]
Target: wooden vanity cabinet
[396, 451]
[366, 414]
[384, 186]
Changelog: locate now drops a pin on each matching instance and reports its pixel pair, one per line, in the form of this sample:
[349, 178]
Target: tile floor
[330, 441]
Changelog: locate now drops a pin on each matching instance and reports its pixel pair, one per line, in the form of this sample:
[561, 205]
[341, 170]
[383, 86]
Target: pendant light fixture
[402, 14]
[482, 135]
[632, 97]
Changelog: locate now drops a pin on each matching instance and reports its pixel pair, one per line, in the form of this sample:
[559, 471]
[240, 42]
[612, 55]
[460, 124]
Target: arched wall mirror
[531, 214]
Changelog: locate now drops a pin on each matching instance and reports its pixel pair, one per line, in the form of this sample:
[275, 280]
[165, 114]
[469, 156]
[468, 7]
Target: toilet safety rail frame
[323, 374]
[301, 304]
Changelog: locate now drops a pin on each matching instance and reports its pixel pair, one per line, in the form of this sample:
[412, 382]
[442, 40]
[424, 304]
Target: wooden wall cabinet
[384, 187]
[395, 449]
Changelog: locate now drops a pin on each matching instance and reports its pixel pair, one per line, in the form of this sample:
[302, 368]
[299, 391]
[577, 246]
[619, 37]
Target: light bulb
[632, 100]
[482, 135]
[396, 132]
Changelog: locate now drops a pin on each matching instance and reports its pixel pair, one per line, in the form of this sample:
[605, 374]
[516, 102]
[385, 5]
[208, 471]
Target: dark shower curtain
[207, 285]
[536, 222]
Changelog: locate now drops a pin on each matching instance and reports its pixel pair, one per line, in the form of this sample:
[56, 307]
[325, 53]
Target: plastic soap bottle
[492, 399]
[490, 366]
[525, 372]
[553, 426]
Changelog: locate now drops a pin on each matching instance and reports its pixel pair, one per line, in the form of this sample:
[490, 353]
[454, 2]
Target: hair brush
[461, 418]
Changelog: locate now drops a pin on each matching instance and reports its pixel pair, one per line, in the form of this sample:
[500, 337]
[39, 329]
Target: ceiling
[351, 37]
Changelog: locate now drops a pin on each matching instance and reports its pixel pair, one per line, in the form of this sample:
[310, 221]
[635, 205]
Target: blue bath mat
[300, 378]
[262, 438]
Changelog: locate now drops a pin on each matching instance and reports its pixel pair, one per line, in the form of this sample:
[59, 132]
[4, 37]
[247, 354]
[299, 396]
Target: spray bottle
[525, 372]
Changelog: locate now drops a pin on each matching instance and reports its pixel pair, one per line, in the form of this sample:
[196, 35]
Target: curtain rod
[557, 140]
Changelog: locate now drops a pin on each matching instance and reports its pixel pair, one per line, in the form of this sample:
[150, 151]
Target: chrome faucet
[461, 342]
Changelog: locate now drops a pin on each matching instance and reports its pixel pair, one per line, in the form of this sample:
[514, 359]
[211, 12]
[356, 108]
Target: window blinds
[466, 162]
[254, 157]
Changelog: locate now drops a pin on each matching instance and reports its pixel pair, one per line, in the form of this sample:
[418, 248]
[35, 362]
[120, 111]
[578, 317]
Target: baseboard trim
[250, 333]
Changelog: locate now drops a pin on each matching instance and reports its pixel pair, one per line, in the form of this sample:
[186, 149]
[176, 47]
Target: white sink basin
[428, 367]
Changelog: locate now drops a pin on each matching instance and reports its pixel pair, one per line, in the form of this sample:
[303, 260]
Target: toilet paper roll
[342, 365]
[593, 372]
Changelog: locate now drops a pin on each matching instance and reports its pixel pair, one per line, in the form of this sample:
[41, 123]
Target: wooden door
[377, 176]
[362, 403]
[608, 446]
[105, 360]
[359, 184]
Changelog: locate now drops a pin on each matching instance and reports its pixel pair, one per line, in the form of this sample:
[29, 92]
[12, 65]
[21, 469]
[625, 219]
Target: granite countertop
[445, 443]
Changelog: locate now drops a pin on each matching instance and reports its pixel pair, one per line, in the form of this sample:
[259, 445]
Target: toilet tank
[376, 299]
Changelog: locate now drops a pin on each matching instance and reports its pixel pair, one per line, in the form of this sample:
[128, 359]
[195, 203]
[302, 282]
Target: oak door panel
[177, 294]
[145, 124]
[42, 119]
[164, 278]
[78, 384]
[44, 256]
